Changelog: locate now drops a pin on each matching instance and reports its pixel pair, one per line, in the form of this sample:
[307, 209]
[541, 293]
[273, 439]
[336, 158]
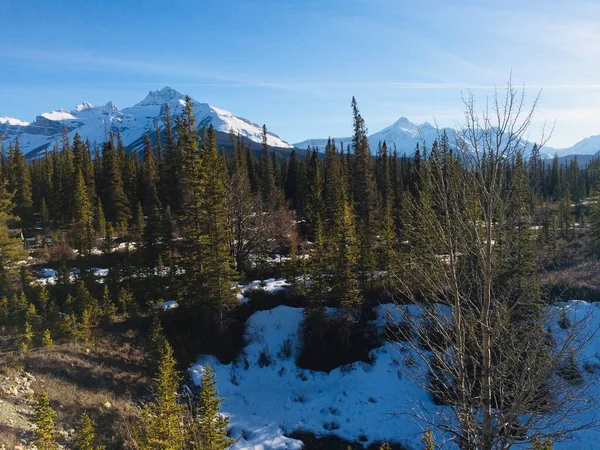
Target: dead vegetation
[104, 380]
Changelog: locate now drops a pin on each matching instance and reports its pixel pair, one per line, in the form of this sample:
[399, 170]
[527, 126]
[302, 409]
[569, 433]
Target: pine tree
[541, 444]
[85, 435]
[20, 181]
[428, 440]
[115, 200]
[363, 194]
[206, 229]
[346, 257]
[162, 425]
[108, 239]
[156, 340]
[11, 249]
[127, 302]
[99, 219]
[84, 327]
[314, 204]
[47, 341]
[211, 426]
[268, 190]
[139, 223]
[45, 431]
[83, 217]
[25, 338]
[594, 233]
[44, 212]
[108, 308]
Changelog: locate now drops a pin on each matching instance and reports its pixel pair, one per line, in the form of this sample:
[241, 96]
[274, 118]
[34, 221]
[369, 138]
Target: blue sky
[295, 65]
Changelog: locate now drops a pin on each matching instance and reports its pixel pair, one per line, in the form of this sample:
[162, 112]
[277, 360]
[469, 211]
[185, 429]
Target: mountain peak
[84, 105]
[404, 123]
[161, 97]
[12, 121]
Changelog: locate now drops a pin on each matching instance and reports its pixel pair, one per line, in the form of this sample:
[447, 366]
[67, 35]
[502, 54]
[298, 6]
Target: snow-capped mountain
[588, 146]
[95, 122]
[403, 135]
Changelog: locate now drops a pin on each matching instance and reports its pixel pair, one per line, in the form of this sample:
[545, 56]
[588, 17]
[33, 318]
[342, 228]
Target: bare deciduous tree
[491, 359]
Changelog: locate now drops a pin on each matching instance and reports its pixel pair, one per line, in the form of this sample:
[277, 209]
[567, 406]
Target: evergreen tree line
[343, 215]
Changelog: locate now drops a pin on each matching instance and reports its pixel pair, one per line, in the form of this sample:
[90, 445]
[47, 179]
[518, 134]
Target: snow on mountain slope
[587, 146]
[321, 143]
[403, 135]
[12, 121]
[360, 401]
[95, 122]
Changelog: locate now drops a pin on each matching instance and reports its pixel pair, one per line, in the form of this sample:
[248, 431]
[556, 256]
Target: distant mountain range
[96, 122]
[404, 135]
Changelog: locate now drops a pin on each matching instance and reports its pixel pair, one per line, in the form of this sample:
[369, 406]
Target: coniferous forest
[471, 244]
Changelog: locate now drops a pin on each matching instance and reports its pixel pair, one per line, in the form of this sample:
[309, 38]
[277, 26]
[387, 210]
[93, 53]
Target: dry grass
[9, 436]
[579, 281]
[81, 380]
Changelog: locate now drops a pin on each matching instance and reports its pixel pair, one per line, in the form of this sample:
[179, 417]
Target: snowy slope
[403, 135]
[12, 121]
[321, 143]
[587, 146]
[367, 402]
[95, 122]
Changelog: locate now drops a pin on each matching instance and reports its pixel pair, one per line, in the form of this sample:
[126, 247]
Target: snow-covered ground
[355, 402]
[50, 276]
[359, 402]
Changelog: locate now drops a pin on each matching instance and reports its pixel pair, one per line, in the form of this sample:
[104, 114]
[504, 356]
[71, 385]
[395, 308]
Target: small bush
[591, 368]
[287, 349]
[569, 371]
[398, 332]
[331, 425]
[302, 376]
[300, 398]
[264, 358]
[563, 320]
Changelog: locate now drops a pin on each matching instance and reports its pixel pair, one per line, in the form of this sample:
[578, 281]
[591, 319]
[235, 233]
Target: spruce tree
[363, 194]
[162, 425]
[20, 181]
[11, 248]
[47, 341]
[115, 200]
[211, 427]
[206, 230]
[83, 217]
[99, 219]
[139, 223]
[108, 307]
[85, 435]
[45, 431]
[268, 190]
[25, 338]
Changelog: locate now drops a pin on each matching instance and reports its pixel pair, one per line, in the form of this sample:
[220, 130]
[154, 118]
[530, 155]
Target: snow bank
[266, 396]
